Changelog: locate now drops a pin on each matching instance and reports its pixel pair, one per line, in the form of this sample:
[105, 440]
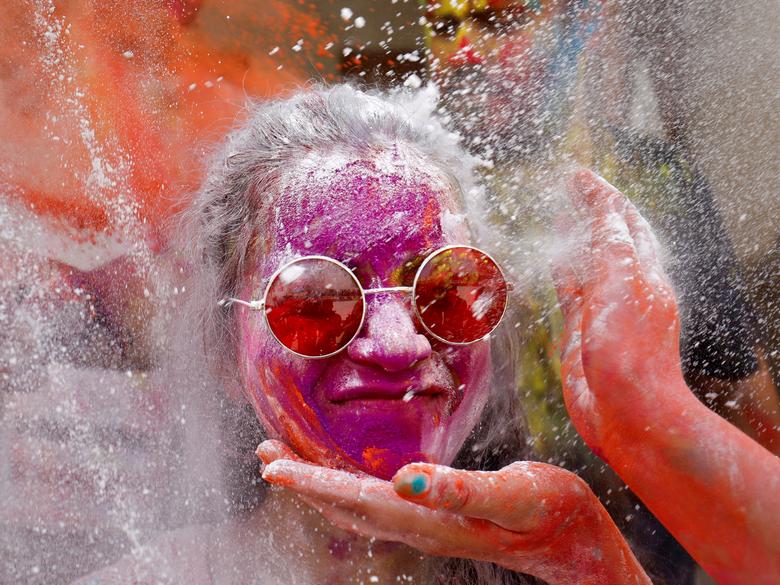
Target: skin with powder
[712, 486]
[623, 384]
[381, 217]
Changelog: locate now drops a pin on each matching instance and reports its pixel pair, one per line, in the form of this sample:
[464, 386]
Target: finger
[620, 235]
[455, 490]
[577, 395]
[602, 197]
[645, 242]
[271, 450]
[592, 192]
[364, 495]
[610, 209]
[569, 288]
[330, 485]
[615, 268]
[434, 533]
[508, 498]
[572, 340]
[647, 247]
[648, 250]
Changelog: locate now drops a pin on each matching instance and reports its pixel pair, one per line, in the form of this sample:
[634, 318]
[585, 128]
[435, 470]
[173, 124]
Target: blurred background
[108, 110]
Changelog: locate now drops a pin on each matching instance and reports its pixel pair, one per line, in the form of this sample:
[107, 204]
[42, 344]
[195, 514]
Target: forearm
[713, 487]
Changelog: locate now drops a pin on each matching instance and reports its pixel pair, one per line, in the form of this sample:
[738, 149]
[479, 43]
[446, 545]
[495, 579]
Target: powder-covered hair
[228, 215]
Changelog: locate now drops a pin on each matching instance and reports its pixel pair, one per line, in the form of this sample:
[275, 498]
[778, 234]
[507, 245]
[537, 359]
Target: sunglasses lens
[460, 295]
[314, 307]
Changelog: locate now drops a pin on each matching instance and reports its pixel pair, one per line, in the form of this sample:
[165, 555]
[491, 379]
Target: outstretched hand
[530, 517]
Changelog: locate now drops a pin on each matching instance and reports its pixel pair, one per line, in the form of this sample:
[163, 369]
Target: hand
[712, 486]
[622, 328]
[530, 517]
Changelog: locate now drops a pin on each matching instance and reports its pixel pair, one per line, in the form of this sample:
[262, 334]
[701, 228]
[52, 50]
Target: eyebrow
[408, 267]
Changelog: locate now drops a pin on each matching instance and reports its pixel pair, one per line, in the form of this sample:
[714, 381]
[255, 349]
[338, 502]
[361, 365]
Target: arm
[715, 489]
[751, 403]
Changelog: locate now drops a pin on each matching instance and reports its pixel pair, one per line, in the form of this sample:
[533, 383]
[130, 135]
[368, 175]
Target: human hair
[223, 226]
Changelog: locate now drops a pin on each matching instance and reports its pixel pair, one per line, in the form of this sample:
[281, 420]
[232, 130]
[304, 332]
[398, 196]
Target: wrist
[662, 407]
[603, 554]
[591, 551]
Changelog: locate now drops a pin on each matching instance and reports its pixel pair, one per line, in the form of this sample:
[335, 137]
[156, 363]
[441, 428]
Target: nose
[389, 339]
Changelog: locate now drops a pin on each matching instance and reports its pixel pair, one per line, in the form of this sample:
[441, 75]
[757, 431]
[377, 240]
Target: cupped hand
[622, 328]
[529, 517]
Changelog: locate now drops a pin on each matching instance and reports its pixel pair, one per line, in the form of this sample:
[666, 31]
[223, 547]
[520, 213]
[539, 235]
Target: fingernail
[261, 454]
[280, 472]
[269, 474]
[413, 484]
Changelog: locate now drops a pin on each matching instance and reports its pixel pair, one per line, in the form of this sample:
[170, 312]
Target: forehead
[344, 205]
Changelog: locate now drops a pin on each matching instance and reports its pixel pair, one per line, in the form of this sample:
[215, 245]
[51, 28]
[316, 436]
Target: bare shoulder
[176, 557]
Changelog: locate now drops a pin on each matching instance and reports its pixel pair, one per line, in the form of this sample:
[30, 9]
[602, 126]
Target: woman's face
[380, 216]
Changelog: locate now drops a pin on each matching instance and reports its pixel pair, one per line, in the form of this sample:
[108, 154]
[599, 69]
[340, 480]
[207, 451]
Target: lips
[384, 391]
[360, 383]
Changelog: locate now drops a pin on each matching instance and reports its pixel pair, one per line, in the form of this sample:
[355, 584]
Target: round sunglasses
[315, 306]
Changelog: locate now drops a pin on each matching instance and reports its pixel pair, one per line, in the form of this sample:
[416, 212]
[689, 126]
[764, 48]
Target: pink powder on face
[394, 396]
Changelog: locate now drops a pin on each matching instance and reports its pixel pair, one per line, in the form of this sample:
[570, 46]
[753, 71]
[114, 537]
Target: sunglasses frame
[259, 305]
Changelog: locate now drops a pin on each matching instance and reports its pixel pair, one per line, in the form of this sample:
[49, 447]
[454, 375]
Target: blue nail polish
[419, 484]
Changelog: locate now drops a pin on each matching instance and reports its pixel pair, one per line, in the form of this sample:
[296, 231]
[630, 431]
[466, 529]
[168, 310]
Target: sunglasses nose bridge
[397, 291]
[388, 289]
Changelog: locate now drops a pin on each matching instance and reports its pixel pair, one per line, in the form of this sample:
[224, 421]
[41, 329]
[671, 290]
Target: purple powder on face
[375, 215]
[340, 548]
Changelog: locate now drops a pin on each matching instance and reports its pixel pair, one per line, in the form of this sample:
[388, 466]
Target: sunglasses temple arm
[228, 301]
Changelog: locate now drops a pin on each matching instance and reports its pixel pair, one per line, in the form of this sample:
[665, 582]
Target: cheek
[471, 365]
[275, 381]
[472, 368]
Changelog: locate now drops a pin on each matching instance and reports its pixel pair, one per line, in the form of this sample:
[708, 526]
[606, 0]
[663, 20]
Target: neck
[306, 548]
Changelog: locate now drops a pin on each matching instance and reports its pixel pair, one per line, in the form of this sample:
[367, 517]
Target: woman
[332, 190]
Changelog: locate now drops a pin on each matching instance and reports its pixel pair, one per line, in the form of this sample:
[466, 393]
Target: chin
[379, 437]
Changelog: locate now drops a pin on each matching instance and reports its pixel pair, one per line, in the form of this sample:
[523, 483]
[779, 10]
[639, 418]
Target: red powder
[107, 108]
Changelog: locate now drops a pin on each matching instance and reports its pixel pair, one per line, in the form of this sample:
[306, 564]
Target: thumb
[471, 493]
